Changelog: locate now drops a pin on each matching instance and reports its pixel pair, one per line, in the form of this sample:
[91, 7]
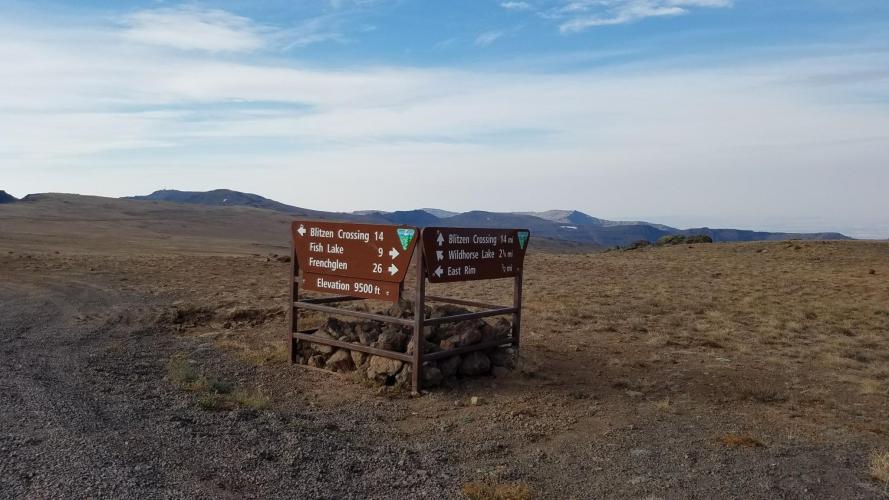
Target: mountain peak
[572, 217]
[224, 197]
[6, 197]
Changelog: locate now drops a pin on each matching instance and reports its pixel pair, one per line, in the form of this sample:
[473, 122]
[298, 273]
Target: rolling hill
[6, 197]
[566, 225]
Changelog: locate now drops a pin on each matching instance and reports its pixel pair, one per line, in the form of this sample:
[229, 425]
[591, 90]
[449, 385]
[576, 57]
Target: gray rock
[502, 328]
[500, 371]
[392, 339]
[449, 343]
[340, 361]
[475, 363]
[367, 334]
[382, 367]
[431, 376]
[470, 336]
[504, 356]
[336, 328]
[450, 366]
[321, 348]
[358, 358]
[403, 379]
[402, 309]
[488, 332]
[427, 346]
[447, 310]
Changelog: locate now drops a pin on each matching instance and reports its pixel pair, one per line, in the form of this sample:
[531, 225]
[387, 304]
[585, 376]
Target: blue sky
[750, 113]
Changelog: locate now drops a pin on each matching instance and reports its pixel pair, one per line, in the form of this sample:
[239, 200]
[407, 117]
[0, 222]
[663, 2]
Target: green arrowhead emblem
[406, 236]
[523, 238]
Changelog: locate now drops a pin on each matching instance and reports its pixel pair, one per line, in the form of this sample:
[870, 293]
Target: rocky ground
[165, 375]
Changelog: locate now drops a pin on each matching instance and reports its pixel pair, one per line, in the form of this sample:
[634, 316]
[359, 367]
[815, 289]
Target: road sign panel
[367, 251]
[463, 254]
[353, 287]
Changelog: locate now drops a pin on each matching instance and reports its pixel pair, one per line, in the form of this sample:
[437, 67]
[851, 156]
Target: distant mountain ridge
[566, 225]
[6, 197]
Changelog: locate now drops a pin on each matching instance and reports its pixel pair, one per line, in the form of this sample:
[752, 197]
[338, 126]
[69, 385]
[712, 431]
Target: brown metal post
[419, 319]
[517, 315]
[294, 295]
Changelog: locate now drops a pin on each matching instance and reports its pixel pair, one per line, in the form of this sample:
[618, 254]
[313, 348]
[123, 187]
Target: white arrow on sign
[393, 253]
[438, 272]
[439, 254]
[301, 230]
[440, 239]
[393, 270]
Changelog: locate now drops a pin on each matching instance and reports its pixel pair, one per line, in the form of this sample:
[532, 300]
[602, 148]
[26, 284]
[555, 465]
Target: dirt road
[85, 411]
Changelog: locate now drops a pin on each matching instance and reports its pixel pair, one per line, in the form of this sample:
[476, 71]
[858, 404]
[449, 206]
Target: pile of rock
[385, 371]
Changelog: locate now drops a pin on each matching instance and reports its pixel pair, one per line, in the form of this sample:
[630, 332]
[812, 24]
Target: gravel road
[85, 411]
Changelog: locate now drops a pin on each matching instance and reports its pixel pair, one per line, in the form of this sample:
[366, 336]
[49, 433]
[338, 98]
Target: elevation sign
[463, 254]
[379, 253]
[353, 287]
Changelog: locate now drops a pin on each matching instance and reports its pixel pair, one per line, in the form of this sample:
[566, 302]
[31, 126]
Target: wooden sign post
[368, 261]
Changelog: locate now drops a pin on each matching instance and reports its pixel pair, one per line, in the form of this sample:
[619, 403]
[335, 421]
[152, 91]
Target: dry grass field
[755, 370]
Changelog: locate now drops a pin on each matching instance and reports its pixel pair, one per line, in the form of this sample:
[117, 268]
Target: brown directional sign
[463, 254]
[380, 253]
[353, 287]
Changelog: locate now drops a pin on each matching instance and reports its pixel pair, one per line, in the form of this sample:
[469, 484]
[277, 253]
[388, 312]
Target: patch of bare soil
[710, 371]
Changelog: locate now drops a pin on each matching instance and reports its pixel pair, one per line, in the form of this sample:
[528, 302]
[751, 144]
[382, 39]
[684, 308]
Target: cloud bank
[787, 136]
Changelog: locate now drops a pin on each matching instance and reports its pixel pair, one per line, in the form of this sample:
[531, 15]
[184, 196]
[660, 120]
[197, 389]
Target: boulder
[488, 333]
[321, 348]
[432, 376]
[316, 361]
[475, 363]
[337, 328]
[367, 334]
[502, 328]
[442, 332]
[358, 358]
[403, 378]
[392, 339]
[340, 361]
[382, 367]
[470, 336]
[401, 309]
[504, 356]
[427, 346]
[448, 310]
[450, 366]
[500, 371]
[449, 343]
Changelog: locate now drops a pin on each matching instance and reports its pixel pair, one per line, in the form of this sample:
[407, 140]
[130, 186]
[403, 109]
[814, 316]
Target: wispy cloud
[579, 15]
[514, 5]
[340, 4]
[192, 28]
[488, 37]
[312, 31]
[446, 43]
